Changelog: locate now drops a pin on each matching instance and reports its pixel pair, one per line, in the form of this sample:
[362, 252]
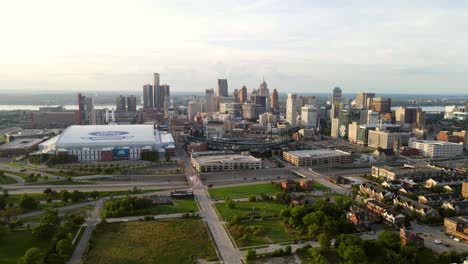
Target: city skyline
[298, 47]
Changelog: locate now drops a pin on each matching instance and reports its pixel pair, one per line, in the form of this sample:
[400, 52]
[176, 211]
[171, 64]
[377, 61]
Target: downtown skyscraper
[222, 88]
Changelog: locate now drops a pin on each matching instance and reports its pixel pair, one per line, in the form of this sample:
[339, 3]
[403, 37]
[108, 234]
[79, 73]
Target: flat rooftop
[219, 159]
[21, 143]
[436, 142]
[317, 153]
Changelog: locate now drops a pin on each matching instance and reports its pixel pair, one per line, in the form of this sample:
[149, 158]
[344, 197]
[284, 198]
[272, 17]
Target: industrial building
[317, 157]
[21, 146]
[109, 142]
[437, 149]
[223, 162]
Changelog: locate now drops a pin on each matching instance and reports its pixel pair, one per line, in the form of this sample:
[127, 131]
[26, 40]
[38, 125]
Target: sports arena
[108, 142]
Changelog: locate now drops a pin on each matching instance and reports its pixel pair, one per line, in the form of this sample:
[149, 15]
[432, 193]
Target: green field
[16, 243]
[243, 191]
[6, 180]
[243, 209]
[274, 231]
[148, 242]
[319, 186]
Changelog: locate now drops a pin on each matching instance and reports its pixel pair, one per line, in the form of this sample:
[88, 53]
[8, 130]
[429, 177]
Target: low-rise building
[409, 236]
[464, 191]
[211, 163]
[437, 199]
[457, 226]
[387, 213]
[317, 157]
[22, 146]
[288, 185]
[419, 172]
[374, 191]
[437, 148]
[410, 206]
[460, 207]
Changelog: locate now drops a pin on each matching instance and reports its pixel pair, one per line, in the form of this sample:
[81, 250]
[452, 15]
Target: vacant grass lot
[148, 242]
[319, 186]
[274, 231]
[16, 243]
[269, 208]
[243, 191]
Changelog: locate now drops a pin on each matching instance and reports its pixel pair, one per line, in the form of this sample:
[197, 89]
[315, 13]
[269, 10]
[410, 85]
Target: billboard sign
[108, 135]
[121, 153]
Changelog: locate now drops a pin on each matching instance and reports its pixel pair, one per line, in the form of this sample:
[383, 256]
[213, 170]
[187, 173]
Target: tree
[3, 232]
[230, 203]
[76, 196]
[64, 195]
[316, 257]
[32, 256]
[250, 254]
[64, 247]
[354, 254]
[3, 203]
[48, 225]
[94, 194]
[5, 193]
[389, 239]
[324, 241]
[28, 202]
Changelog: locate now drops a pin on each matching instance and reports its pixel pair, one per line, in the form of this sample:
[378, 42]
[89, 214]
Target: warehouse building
[223, 162]
[21, 146]
[317, 157]
[109, 142]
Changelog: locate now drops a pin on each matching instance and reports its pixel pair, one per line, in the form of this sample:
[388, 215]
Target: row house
[387, 213]
[374, 191]
[437, 199]
[410, 205]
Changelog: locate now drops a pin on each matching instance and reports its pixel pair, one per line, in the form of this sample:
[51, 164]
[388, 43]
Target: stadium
[108, 142]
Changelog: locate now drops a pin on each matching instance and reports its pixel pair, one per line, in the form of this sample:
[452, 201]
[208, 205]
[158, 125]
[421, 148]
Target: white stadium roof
[109, 136]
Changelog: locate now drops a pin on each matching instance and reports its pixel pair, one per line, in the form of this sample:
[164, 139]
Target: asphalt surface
[84, 241]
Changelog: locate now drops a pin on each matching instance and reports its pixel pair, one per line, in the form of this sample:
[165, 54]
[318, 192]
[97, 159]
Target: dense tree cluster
[126, 206]
[59, 231]
[321, 217]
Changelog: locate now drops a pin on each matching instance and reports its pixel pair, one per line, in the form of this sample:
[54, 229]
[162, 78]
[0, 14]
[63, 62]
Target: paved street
[84, 241]
[430, 234]
[228, 252]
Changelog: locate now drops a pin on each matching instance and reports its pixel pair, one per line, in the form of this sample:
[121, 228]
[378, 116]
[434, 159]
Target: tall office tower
[82, 116]
[158, 92]
[291, 109]
[274, 101]
[381, 105]
[263, 89]
[307, 100]
[88, 102]
[372, 117]
[261, 101]
[121, 104]
[235, 94]
[165, 97]
[131, 103]
[309, 116]
[243, 94]
[363, 99]
[336, 103]
[148, 100]
[222, 88]
[252, 95]
[194, 108]
[466, 106]
[210, 101]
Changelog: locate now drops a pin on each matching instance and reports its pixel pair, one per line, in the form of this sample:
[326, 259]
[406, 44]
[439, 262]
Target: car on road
[210, 185]
[456, 239]
[437, 241]
[23, 170]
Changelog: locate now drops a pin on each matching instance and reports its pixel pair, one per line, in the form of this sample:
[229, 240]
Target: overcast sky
[301, 46]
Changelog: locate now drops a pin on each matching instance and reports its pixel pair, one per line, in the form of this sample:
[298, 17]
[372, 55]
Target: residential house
[460, 207]
[410, 205]
[408, 236]
[374, 191]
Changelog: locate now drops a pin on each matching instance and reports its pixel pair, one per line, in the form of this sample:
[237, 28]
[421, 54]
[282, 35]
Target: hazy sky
[302, 46]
